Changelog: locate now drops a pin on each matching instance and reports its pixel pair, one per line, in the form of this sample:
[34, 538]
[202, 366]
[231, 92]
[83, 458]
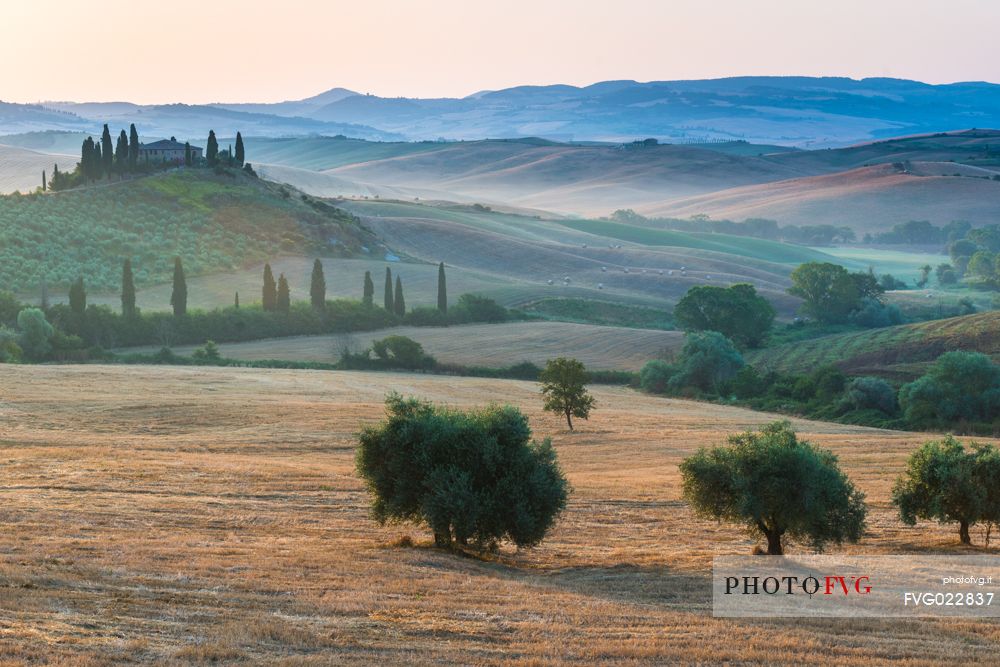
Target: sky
[199, 51]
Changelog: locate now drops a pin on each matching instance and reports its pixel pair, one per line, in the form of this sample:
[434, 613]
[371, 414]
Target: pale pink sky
[246, 50]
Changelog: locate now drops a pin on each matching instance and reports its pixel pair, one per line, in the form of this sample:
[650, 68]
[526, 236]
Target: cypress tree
[188, 159]
[78, 297]
[179, 297]
[133, 147]
[442, 290]
[240, 154]
[128, 290]
[317, 290]
[121, 155]
[96, 162]
[212, 149]
[236, 301]
[56, 177]
[284, 303]
[269, 298]
[387, 297]
[107, 152]
[398, 304]
[87, 159]
[369, 293]
[44, 186]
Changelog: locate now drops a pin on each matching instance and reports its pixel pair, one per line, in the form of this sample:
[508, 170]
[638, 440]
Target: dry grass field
[493, 345]
[211, 516]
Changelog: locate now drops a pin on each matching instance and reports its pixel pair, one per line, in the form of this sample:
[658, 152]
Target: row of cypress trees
[276, 295]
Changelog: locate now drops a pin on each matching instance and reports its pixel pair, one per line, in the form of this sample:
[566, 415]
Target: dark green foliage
[442, 290]
[209, 352]
[944, 482]
[475, 308]
[236, 301]
[128, 290]
[107, 152]
[35, 339]
[188, 154]
[655, 376]
[398, 302]
[401, 352]
[44, 184]
[368, 296]
[10, 306]
[830, 293]
[871, 393]
[959, 386]
[179, 293]
[78, 297]
[777, 487]
[240, 151]
[121, 154]
[10, 351]
[737, 312]
[564, 389]
[317, 286]
[472, 477]
[889, 282]
[387, 294]
[212, 149]
[133, 147]
[426, 317]
[873, 314]
[707, 362]
[283, 301]
[269, 293]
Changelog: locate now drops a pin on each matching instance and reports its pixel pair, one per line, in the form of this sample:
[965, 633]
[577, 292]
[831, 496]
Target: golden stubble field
[177, 516]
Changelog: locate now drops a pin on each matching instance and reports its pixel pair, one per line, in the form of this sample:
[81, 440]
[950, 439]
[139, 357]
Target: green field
[213, 222]
[903, 265]
[896, 352]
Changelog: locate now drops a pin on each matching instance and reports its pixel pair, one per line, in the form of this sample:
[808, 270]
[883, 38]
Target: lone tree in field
[442, 290]
[387, 294]
[398, 302]
[777, 487]
[179, 295]
[317, 286]
[944, 482]
[78, 297]
[368, 297]
[473, 477]
[128, 290]
[564, 389]
[284, 299]
[269, 294]
[212, 149]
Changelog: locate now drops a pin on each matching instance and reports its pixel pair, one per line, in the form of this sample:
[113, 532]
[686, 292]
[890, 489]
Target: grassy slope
[493, 345]
[21, 169]
[213, 222]
[229, 502]
[897, 352]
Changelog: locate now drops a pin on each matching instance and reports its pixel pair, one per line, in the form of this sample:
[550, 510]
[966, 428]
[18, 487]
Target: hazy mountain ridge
[791, 111]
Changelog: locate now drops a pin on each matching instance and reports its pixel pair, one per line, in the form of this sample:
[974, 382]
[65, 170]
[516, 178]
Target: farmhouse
[167, 150]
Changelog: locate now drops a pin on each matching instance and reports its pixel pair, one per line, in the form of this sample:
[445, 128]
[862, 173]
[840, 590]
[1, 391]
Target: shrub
[736, 312]
[777, 487]
[36, 334]
[874, 314]
[10, 351]
[210, 352]
[474, 308]
[959, 386]
[426, 317]
[707, 361]
[474, 477]
[945, 483]
[655, 376]
[870, 393]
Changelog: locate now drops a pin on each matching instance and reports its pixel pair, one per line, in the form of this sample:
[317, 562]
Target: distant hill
[213, 222]
[900, 352]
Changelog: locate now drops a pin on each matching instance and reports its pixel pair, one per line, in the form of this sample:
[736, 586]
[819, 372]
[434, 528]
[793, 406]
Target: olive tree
[472, 477]
[946, 483]
[776, 486]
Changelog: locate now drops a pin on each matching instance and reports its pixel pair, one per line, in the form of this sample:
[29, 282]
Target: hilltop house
[167, 150]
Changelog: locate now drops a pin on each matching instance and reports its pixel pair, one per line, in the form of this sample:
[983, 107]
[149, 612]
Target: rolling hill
[214, 222]
[21, 169]
[866, 199]
[900, 352]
